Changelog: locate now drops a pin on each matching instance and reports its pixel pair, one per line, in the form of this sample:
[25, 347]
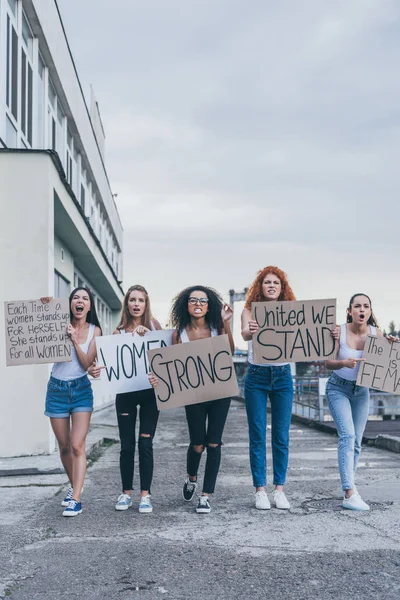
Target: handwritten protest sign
[381, 368]
[193, 372]
[297, 331]
[125, 359]
[36, 332]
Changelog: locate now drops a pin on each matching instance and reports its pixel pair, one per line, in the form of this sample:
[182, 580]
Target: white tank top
[250, 358]
[66, 371]
[185, 338]
[346, 352]
[152, 328]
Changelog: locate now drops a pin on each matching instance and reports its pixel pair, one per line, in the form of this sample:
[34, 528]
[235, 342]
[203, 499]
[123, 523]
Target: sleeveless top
[152, 328]
[67, 371]
[185, 338]
[346, 352]
[250, 359]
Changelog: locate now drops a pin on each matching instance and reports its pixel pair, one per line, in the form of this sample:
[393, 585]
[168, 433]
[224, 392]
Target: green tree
[392, 328]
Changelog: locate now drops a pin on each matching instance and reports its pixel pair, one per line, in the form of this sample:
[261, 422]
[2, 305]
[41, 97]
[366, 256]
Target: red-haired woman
[136, 317]
[263, 381]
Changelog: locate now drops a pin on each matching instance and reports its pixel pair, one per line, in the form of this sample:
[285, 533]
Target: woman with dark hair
[69, 398]
[136, 317]
[348, 402]
[263, 381]
[199, 312]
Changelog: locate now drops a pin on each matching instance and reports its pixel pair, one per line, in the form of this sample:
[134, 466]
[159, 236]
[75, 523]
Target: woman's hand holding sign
[140, 330]
[253, 326]
[153, 380]
[226, 312]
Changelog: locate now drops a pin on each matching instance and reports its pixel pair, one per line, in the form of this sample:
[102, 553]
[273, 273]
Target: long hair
[372, 319]
[126, 318]
[180, 316]
[255, 293]
[91, 317]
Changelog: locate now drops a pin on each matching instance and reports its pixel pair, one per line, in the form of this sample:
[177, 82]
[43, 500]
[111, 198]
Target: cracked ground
[315, 550]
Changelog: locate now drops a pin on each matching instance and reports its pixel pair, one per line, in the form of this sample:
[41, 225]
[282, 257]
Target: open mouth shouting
[79, 308]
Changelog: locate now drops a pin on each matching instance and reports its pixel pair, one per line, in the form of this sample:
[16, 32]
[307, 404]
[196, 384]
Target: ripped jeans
[127, 409]
[206, 422]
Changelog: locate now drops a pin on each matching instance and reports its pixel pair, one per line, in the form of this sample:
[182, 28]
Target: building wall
[26, 261]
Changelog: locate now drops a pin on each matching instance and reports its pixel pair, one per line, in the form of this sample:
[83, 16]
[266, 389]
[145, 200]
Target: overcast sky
[245, 133]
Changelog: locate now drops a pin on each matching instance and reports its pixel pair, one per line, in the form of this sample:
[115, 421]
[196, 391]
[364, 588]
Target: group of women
[198, 312]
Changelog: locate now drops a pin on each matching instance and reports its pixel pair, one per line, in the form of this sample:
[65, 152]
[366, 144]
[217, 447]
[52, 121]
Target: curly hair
[255, 293]
[372, 319]
[180, 317]
[126, 317]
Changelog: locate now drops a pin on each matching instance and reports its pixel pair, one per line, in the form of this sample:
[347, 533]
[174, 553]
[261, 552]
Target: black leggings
[126, 406]
[206, 423]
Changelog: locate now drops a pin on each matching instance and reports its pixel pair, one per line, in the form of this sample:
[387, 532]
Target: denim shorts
[66, 397]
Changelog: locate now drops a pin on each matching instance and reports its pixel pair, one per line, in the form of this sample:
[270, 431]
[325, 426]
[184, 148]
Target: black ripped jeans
[127, 408]
[206, 422]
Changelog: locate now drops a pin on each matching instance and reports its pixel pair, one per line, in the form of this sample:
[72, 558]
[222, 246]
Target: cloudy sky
[245, 133]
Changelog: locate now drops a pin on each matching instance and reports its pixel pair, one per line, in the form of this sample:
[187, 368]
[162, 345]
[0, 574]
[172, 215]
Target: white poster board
[125, 360]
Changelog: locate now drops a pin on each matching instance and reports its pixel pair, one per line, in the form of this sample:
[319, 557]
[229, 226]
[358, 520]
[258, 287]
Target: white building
[59, 224]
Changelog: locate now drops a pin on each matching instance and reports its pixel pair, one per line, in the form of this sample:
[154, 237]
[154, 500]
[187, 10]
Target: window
[13, 5]
[11, 133]
[12, 69]
[27, 35]
[61, 286]
[26, 97]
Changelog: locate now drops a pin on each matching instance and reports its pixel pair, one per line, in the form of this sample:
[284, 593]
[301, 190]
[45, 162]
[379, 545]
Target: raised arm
[86, 360]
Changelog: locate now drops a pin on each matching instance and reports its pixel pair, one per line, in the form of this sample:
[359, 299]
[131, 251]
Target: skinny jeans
[127, 406]
[206, 422]
[349, 406]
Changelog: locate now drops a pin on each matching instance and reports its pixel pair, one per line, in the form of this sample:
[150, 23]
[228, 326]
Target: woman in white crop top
[268, 381]
[199, 312]
[69, 398]
[136, 317]
[348, 402]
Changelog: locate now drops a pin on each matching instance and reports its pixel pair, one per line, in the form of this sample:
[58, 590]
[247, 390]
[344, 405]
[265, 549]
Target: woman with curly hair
[348, 402]
[263, 381]
[198, 312]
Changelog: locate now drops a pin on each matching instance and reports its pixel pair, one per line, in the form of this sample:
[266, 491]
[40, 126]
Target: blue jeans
[349, 405]
[277, 383]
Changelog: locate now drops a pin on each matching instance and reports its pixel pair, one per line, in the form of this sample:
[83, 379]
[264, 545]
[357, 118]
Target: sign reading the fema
[36, 332]
[293, 331]
[380, 369]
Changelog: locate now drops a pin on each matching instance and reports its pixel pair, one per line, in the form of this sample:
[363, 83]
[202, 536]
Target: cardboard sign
[125, 359]
[36, 332]
[381, 368]
[193, 372]
[298, 331]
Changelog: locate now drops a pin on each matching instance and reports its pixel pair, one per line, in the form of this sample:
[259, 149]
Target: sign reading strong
[193, 372]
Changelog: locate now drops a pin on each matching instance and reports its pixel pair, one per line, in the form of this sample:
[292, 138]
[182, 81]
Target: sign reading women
[124, 357]
[36, 332]
[293, 331]
[193, 372]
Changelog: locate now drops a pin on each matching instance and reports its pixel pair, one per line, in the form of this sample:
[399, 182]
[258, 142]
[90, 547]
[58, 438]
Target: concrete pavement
[315, 550]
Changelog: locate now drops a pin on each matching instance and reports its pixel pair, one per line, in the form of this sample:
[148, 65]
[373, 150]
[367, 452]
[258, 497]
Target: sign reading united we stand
[125, 360]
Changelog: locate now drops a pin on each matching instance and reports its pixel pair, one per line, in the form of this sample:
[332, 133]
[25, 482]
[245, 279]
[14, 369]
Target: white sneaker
[262, 502]
[355, 502]
[280, 500]
[124, 502]
[145, 505]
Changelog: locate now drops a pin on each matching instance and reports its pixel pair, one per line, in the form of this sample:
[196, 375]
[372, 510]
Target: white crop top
[66, 371]
[250, 358]
[185, 338]
[346, 352]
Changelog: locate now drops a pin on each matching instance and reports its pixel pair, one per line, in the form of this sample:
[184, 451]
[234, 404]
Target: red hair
[255, 293]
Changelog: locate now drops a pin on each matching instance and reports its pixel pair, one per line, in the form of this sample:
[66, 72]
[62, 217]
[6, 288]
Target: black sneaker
[203, 505]
[188, 490]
